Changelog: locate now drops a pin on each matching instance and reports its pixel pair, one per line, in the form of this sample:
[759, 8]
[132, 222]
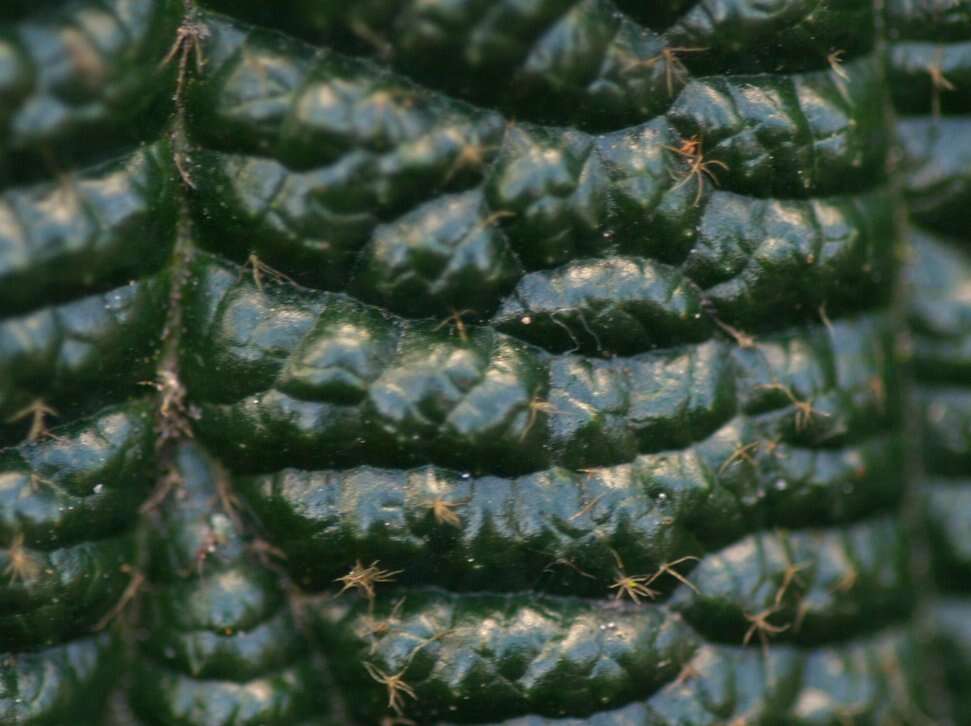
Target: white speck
[466, 475]
[781, 484]
[98, 488]
[525, 320]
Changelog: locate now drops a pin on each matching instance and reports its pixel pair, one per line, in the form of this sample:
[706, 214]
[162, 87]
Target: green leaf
[511, 361]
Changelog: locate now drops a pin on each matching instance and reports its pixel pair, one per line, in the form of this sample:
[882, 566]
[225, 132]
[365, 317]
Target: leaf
[490, 312]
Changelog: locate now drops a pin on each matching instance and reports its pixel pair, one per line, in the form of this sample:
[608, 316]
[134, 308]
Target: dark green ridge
[58, 594]
[87, 223]
[81, 80]
[321, 375]
[872, 676]
[478, 656]
[782, 37]
[815, 584]
[558, 530]
[481, 657]
[320, 107]
[89, 478]
[61, 684]
[220, 641]
[473, 247]
[87, 231]
[79, 356]
[550, 194]
[67, 506]
[591, 66]
[929, 64]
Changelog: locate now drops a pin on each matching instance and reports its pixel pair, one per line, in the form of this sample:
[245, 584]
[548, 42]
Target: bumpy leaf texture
[480, 361]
